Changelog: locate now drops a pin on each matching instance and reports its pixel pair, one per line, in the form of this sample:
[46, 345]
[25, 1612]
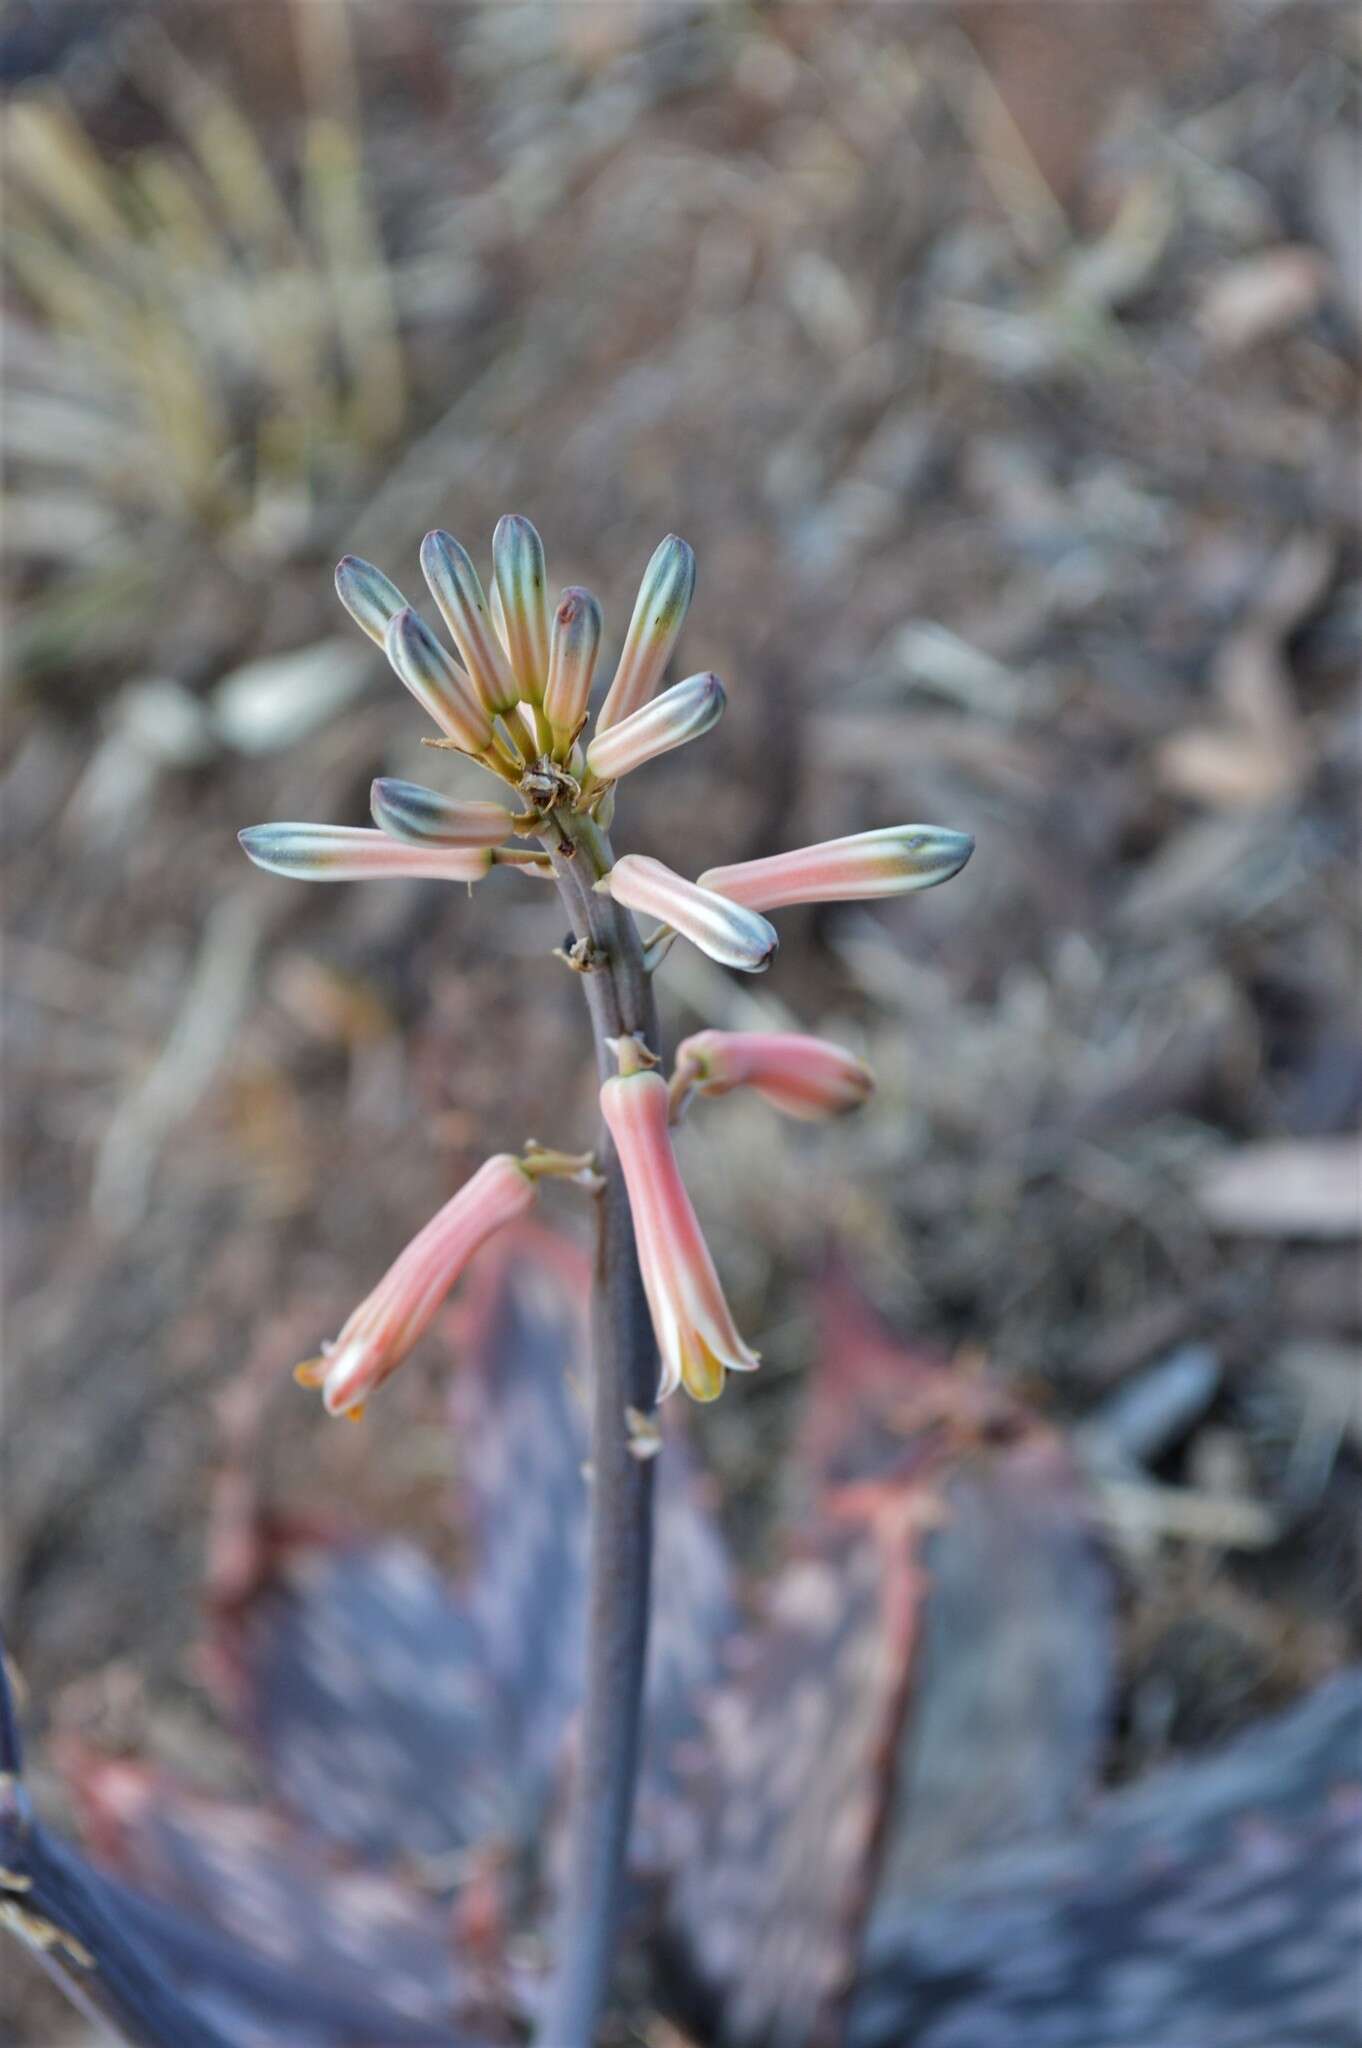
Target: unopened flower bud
[888, 862]
[679, 714]
[391, 1320]
[353, 853]
[659, 614]
[805, 1077]
[518, 565]
[696, 1337]
[438, 684]
[368, 595]
[457, 590]
[730, 934]
[574, 643]
[424, 817]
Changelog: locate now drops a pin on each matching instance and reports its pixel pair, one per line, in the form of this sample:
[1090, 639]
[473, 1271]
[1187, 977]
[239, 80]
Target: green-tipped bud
[438, 684]
[887, 862]
[368, 595]
[659, 614]
[457, 590]
[574, 643]
[352, 853]
[521, 585]
[678, 715]
[423, 817]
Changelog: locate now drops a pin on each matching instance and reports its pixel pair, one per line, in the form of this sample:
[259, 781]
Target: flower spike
[352, 853]
[423, 817]
[574, 643]
[888, 862]
[730, 934]
[455, 586]
[368, 595]
[679, 714]
[696, 1337]
[521, 585]
[391, 1320]
[659, 614]
[802, 1076]
[437, 682]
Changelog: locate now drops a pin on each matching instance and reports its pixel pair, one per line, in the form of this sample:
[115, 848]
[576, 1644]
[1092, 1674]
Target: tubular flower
[457, 590]
[888, 862]
[679, 714]
[730, 934]
[352, 853]
[805, 1077]
[423, 817]
[386, 1325]
[436, 681]
[521, 581]
[574, 643]
[368, 596]
[659, 613]
[696, 1338]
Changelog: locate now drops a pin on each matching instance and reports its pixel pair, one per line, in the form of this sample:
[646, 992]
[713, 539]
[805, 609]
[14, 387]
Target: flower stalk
[517, 700]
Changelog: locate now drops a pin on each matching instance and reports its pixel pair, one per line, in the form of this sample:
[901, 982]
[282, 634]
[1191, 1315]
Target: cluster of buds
[516, 700]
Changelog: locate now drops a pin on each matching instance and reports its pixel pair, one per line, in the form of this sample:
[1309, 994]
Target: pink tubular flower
[353, 853]
[659, 613]
[805, 1077]
[679, 714]
[696, 1339]
[436, 681]
[733, 936]
[574, 642]
[385, 1326]
[888, 862]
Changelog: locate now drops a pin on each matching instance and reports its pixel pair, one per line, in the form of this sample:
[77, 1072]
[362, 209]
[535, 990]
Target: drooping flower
[659, 613]
[696, 1338]
[887, 862]
[424, 817]
[457, 589]
[354, 853]
[730, 934]
[803, 1076]
[574, 643]
[679, 714]
[391, 1320]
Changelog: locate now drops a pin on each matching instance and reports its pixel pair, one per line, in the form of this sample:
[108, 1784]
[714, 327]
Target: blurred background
[999, 361]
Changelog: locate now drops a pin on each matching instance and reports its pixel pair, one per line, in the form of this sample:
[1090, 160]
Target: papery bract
[679, 714]
[388, 1322]
[659, 614]
[802, 1076]
[730, 934]
[887, 862]
[696, 1337]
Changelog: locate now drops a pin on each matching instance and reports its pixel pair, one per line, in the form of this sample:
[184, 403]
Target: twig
[620, 999]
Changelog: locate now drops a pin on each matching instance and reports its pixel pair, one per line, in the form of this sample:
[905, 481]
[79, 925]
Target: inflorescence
[516, 700]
